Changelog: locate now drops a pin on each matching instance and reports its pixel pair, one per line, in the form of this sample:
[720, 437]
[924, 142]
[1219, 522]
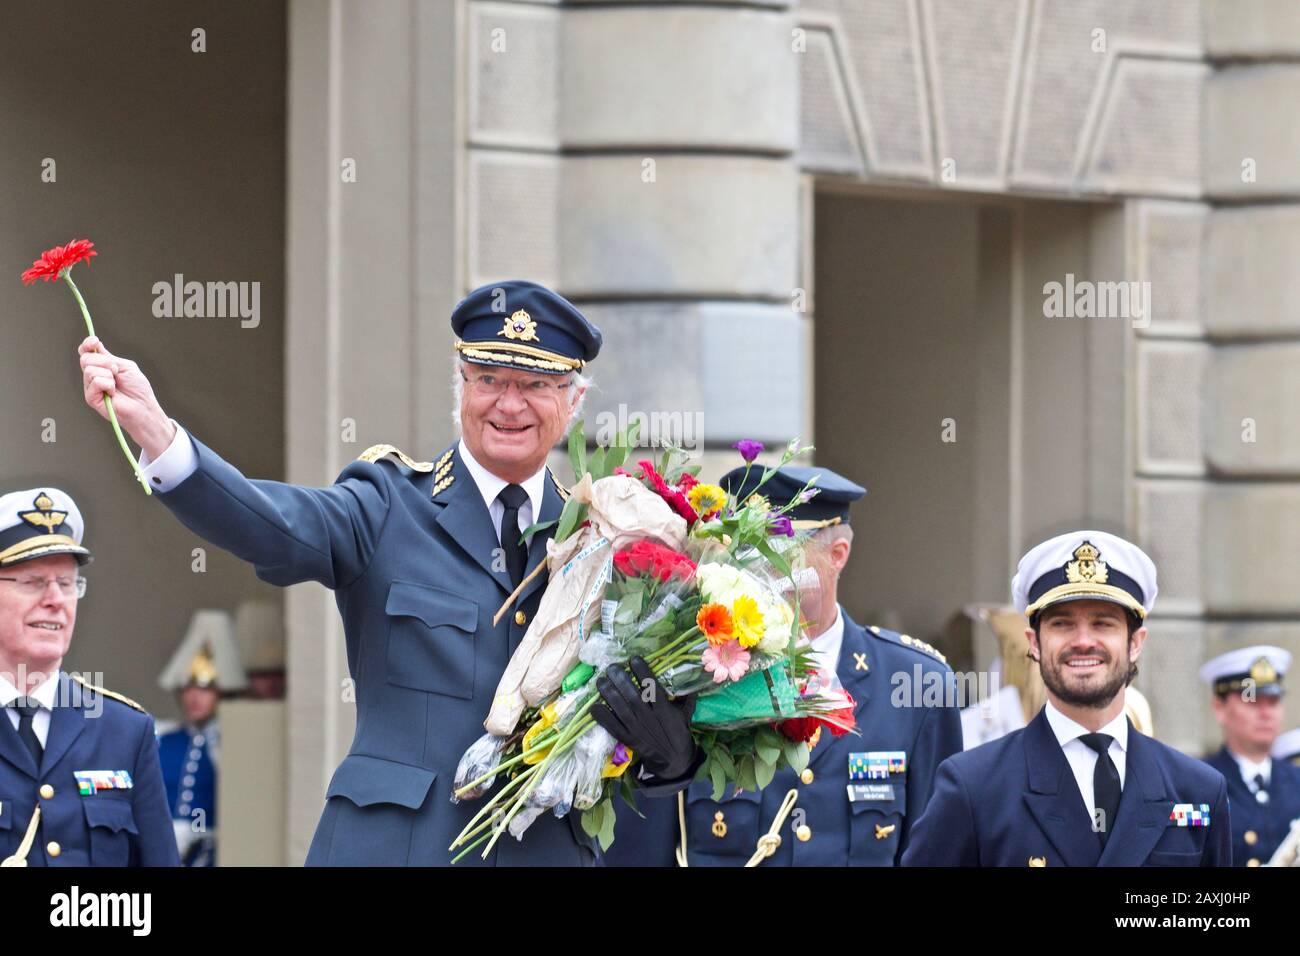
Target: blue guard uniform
[207, 658]
[411, 552]
[79, 777]
[1021, 801]
[1264, 795]
[855, 803]
[185, 753]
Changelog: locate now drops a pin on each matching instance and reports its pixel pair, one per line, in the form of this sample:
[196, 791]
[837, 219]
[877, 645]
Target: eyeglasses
[494, 386]
[35, 587]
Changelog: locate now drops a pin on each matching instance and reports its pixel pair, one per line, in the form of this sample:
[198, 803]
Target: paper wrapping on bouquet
[620, 510]
[763, 695]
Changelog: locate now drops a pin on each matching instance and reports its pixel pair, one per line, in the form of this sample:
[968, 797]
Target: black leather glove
[658, 730]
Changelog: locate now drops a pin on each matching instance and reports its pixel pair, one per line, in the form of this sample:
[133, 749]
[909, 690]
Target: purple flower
[749, 449]
[619, 757]
[781, 525]
[808, 494]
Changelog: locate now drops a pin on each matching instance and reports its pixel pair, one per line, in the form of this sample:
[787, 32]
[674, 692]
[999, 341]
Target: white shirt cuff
[174, 465]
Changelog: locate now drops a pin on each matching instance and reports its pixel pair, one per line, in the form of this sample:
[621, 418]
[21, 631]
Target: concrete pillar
[372, 276]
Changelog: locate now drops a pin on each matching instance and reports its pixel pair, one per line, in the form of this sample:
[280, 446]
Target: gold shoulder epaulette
[559, 486]
[921, 645]
[375, 452]
[107, 693]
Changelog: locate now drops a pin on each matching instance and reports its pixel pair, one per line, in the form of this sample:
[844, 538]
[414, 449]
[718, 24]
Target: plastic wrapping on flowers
[719, 620]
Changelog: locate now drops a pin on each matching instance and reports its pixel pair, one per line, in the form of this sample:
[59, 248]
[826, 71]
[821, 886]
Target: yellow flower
[546, 718]
[747, 621]
[707, 500]
[617, 769]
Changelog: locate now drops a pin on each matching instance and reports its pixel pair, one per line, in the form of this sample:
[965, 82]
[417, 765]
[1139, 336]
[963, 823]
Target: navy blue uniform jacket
[1258, 829]
[868, 832]
[119, 827]
[1015, 799]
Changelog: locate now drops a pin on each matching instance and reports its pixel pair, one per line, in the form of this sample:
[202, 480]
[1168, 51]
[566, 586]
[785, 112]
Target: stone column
[1251, 297]
[371, 277]
[640, 158]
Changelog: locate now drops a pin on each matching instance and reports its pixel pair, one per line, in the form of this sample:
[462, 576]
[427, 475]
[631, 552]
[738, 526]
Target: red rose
[650, 558]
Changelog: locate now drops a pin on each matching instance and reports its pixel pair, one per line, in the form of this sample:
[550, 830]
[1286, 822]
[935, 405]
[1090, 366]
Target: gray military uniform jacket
[408, 548]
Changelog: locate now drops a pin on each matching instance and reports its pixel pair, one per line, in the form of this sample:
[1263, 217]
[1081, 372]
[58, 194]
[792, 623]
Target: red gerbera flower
[676, 500]
[54, 262]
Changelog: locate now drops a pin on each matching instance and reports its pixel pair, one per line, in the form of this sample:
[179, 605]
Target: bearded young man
[1079, 786]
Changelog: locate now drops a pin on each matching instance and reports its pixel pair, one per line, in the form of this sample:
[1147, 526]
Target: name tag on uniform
[871, 792]
[1190, 815]
[89, 782]
[877, 764]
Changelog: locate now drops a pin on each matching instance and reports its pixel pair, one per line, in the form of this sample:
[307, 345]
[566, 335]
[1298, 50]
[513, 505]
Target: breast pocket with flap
[431, 639]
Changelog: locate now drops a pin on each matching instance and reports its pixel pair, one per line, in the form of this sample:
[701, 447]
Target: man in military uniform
[79, 777]
[1264, 792]
[1078, 786]
[205, 666]
[855, 803]
[420, 556]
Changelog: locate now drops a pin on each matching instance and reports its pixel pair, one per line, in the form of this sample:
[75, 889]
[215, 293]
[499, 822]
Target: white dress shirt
[173, 466]
[1082, 758]
[1250, 769]
[43, 695]
[489, 486]
[826, 648]
[180, 461]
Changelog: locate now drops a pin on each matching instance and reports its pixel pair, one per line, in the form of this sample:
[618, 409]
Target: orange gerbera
[715, 623]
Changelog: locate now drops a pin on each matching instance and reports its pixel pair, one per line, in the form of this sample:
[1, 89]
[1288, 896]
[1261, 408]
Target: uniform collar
[1251, 769]
[1067, 730]
[43, 695]
[489, 485]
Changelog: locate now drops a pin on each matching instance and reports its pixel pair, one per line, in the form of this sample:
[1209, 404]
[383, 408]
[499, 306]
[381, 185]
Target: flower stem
[456, 858]
[108, 402]
[544, 740]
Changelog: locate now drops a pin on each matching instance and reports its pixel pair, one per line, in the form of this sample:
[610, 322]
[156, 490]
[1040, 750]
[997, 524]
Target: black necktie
[27, 709]
[1261, 790]
[1105, 784]
[513, 497]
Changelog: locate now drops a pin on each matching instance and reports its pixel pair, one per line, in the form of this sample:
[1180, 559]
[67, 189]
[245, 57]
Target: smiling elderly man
[80, 783]
[420, 556]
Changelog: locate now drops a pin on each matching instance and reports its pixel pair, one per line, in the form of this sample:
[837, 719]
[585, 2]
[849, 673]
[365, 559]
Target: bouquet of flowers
[653, 564]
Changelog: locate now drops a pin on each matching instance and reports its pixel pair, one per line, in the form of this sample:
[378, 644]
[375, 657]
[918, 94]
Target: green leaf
[765, 772]
[625, 791]
[801, 757]
[767, 748]
[532, 529]
[578, 451]
[574, 514]
[778, 561]
[616, 455]
[591, 820]
[723, 756]
[606, 834]
[719, 780]
[596, 464]
[745, 776]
